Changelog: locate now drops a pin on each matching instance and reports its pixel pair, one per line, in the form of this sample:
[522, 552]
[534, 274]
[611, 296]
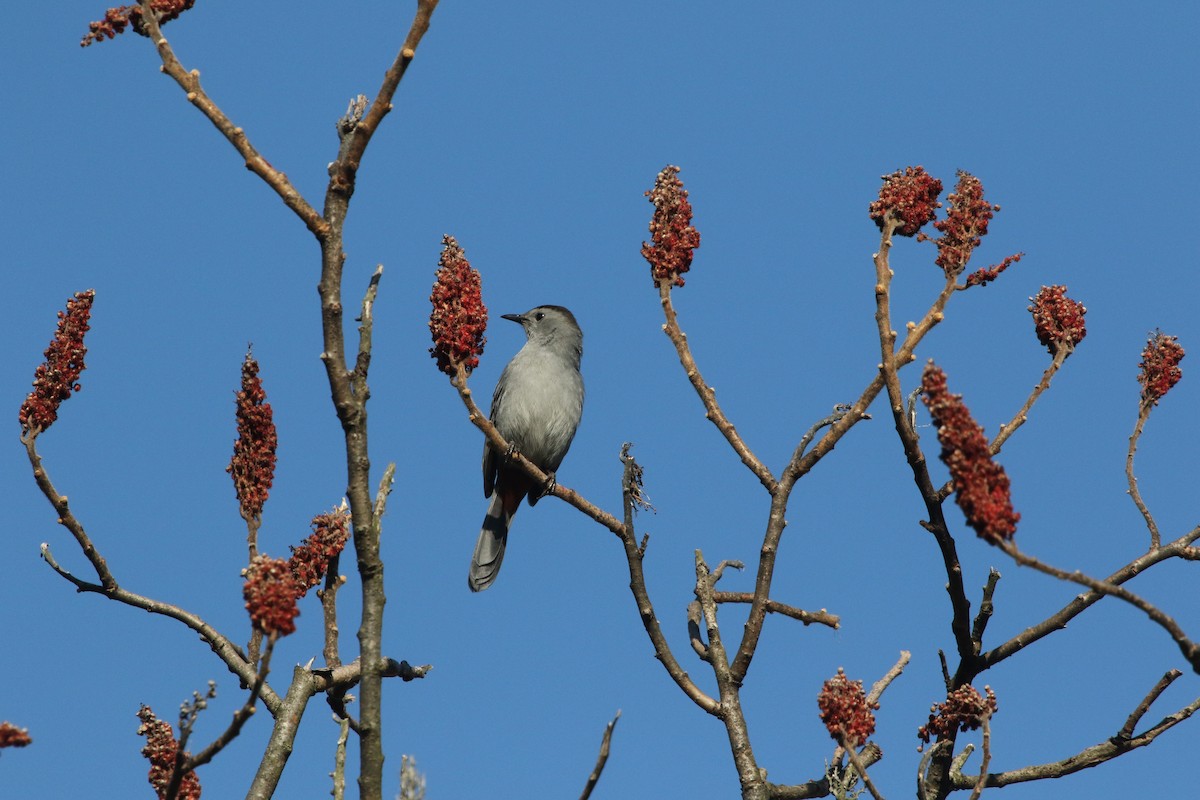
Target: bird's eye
[539, 316]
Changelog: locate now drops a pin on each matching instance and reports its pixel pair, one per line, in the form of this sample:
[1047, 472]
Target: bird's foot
[549, 486]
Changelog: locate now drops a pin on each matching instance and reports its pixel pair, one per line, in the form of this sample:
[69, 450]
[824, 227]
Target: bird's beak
[517, 318]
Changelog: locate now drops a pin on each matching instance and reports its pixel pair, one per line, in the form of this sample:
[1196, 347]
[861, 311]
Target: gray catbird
[536, 407]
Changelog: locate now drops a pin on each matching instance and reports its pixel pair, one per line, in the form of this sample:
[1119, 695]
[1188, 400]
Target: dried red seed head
[1160, 366]
[271, 592]
[1057, 319]
[910, 197]
[253, 463]
[116, 20]
[162, 750]
[985, 275]
[310, 561]
[12, 736]
[673, 239]
[58, 376]
[981, 487]
[965, 225]
[459, 317]
[964, 709]
[845, 710]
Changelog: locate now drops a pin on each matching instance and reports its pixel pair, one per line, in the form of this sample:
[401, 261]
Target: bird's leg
[549, 486]
[510, 452]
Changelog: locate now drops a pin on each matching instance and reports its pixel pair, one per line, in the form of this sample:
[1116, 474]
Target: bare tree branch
[821, 617]
[1135, 717]
[1190, 649]
[283, 735]
[730, 709]
[1180, 547]
[986, 607]
[1085, 759]
[1143, 415]
[601, 760]
[190, 83]
[225, 649]
[708, 396]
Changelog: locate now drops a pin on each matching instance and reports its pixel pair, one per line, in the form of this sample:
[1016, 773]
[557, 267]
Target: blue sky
[530, 132]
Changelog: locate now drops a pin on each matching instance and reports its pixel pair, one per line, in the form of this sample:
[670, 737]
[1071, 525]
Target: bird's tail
[489, 549]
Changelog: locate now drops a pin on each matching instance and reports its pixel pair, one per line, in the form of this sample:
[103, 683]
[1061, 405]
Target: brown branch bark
[570, 496]
[821, 617]
[712, 409]
[225, 649]
[1022, 415]
[283, 735]
[1189, 648]
[349, 389]
[960, 624]
[1151, 525]
[1085, 759]
[1180, 547]
[753, 783]
[190, 83]
[350, 393]
[601, 759]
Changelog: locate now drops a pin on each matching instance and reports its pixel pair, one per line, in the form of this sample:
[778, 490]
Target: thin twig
[878, 688]
[339, 760]
[1166, 680]
[570, 496]
[67, 519]
[986, 608]
[601, 760]
[889, 371]
[861, 769]
[1089, 757]
[707, 394]
[1022, 415]
[821, 617]
[1143, 415]
[985, 758]
[1180, 548]
[189, 713]
[190, 83]
[839, 412]
[225, 649]
[1190, 650]
[631, 489]
[730, 709]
